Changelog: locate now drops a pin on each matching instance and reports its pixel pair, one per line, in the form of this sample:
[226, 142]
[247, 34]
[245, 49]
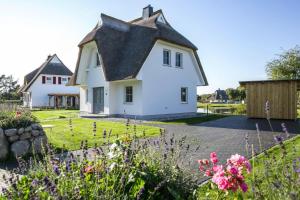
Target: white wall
[117, 98]
[39, 91]
[89, 77]
[162, 84]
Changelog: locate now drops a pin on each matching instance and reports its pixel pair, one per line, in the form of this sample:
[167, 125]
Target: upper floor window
[97, 60]
[183, 95]
[178, 62]
[166, 57]
[128, 94]
[49, 80]
[64, 80]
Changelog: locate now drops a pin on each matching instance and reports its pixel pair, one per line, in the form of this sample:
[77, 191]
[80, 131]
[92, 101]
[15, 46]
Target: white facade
[156, 88]
[37, 95]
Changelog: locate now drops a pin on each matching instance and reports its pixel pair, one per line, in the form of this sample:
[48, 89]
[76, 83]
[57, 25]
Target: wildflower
[244, 187]
[88, 169]
[278, 138]
[285, 130]
[213, 157]
[56, 169]
[232, 170]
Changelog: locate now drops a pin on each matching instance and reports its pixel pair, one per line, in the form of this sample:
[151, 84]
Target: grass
[217, 105]
[48, 115]
[61, 137]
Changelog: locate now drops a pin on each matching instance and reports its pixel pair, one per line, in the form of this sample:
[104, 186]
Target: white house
[142, 68]
[46, 86]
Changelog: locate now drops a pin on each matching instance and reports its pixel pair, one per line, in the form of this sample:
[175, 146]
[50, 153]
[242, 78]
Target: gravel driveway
[226, 136]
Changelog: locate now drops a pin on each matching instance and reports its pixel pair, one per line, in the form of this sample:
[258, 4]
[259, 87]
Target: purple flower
[296, 168]
[284, 129]
[56, 169]
[278, 138]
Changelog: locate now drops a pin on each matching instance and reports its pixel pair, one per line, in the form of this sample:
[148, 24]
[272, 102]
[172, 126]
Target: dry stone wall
[22, 141]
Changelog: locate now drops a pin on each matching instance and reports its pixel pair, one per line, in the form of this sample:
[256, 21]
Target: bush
[240, 109]
[126, 169]
[16, 120]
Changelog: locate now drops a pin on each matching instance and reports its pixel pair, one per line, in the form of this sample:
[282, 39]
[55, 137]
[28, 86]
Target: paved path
[226, 136]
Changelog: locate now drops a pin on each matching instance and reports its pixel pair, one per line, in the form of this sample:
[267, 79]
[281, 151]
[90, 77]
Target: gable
[52, 66]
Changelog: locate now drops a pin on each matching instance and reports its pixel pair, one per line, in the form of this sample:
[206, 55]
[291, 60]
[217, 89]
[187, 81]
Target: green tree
[8, 88]
[232, 93]
[286, 65]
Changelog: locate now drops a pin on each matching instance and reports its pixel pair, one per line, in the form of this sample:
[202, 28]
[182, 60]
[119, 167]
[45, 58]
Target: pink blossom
[222, 182]
[217, 168]
[213, 154]
[233, 170]
[214, 160]
[208, 172]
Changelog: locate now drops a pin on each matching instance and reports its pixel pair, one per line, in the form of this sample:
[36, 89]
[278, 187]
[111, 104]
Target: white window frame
[186, 95]
[97, 60]
[50, 81]
[125, 95]
[169, 51]
[64, 82]
[181, 60]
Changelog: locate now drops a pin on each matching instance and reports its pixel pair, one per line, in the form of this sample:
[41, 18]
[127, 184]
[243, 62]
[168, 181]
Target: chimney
[147, 11]
[49, 56]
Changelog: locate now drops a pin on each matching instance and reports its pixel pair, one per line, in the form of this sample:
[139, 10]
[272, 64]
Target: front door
[98, 100]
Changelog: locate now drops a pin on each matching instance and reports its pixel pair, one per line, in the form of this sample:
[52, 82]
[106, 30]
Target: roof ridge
[140, 18]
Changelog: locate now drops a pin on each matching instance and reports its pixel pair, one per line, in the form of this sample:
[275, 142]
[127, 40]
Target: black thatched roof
[47, 67]
[124, 46]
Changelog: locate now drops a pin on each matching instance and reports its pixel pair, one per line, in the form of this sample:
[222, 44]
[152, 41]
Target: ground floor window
[128, 94]
[184, 91]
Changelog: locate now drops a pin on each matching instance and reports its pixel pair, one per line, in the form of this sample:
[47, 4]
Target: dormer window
[167, 57]
[97, 60]
[178, 61]
[49, 80]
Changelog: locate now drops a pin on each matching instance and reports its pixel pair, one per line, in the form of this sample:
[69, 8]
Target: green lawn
[47, 115]
[61, 136]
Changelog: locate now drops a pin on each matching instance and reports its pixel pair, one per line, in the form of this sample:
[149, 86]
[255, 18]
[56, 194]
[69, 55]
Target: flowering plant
[228, 177]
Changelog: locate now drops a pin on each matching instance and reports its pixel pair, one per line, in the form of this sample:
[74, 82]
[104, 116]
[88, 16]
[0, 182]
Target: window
[178, 62]
[86, 95]
[43, 79]
[59, 80]
[54, 80]
[128, 94]
[64, 80]
[49, 80]
[167, 57]
[97, 61]
[184, 93]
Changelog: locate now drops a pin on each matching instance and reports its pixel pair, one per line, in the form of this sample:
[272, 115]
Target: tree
[286, 65]
[8, 88]
[232, 93]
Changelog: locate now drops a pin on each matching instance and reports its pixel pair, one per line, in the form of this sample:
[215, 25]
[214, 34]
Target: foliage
[204, 98]
[240, 109]
[16, 120]
[286, 65]
[131, 169]
[236, 94]
[8, 88]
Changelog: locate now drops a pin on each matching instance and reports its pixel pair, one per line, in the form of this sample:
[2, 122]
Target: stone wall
[22, 141]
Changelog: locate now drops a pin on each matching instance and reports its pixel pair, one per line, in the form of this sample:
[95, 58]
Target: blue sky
[235, 38]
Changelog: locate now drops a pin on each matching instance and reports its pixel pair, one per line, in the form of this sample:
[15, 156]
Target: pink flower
[208, 172]
[213, 157]
[217, 168]
[232, 170]
[213, 154]
[222, 182]
[244, 187]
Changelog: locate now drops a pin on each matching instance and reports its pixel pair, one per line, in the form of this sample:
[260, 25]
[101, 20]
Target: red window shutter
[59, 80]
[43, 79]
[54, 80]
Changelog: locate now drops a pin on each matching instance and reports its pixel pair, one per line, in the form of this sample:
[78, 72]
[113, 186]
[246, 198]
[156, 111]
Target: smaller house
[46, 86]
[219, 96]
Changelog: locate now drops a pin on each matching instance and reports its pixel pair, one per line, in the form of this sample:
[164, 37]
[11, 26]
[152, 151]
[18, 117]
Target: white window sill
[184, 102]
[128, 103]
[167, 65]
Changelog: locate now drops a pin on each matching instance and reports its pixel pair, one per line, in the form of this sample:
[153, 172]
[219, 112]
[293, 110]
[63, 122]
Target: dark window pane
[166, 56]
[183, 94]
[97, 61]
[178, 59]
[129, 94]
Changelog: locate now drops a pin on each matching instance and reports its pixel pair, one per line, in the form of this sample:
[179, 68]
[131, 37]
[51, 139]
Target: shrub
[126, 169]
[16, 120]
